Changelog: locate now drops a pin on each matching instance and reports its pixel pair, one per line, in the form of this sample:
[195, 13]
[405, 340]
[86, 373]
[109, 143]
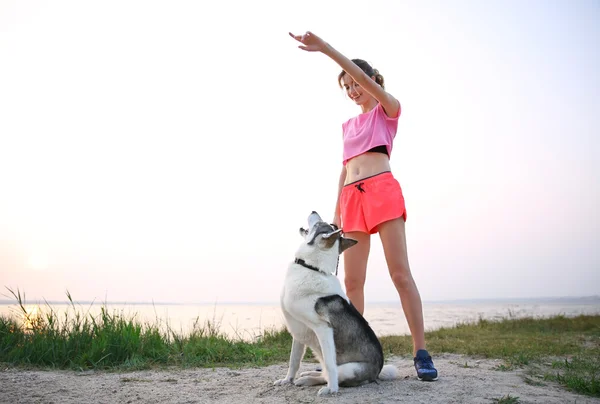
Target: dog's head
[325, 236]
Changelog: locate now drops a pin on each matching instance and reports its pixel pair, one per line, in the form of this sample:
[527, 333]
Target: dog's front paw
[327, 391]
[283, 382]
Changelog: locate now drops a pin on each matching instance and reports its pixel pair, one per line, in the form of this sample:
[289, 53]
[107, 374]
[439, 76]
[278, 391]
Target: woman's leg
[393, 238]
[355, 268]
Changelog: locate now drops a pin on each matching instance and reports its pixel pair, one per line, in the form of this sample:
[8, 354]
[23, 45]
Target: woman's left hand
[310, 42]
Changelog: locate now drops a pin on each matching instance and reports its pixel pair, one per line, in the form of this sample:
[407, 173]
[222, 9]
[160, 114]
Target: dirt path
[476, 383]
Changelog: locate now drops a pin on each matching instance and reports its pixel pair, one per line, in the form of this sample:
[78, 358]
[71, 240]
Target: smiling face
[354, 91]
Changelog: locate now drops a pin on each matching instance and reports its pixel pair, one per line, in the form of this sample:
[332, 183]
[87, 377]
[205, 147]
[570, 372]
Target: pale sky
[169, 151]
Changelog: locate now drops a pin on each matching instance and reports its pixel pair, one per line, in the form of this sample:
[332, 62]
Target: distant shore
[547, 299]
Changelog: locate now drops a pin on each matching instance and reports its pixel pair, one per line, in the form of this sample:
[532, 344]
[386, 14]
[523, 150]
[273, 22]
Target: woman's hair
[369, 71]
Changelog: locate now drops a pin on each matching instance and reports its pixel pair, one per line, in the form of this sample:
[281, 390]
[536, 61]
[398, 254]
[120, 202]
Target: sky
[169, 151]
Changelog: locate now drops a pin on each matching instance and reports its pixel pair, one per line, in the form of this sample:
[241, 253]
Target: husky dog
[319, 315]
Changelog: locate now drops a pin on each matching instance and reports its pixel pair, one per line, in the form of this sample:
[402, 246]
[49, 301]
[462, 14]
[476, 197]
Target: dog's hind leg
[296, 355]
[325, 335]
[310, 381]
[356, 373]
[312, 373]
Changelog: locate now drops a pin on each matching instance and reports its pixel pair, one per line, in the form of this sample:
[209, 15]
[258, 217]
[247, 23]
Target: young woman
[370, 199]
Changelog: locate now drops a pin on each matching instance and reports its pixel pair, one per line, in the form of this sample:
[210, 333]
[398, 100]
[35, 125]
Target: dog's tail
[388, 372]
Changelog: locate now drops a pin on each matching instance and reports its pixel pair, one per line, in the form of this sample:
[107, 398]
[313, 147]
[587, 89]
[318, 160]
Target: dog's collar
[300, 261]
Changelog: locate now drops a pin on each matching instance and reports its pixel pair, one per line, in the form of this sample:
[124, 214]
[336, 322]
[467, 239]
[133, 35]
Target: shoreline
[249, 322]
[589, 299]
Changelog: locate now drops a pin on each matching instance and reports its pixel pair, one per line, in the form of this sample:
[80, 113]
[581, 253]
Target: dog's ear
[328, 240]
[303, 232]
[346, 243]
[333, 233]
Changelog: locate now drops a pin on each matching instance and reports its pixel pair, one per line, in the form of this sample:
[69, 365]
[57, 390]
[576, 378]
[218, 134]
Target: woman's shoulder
[382, 111]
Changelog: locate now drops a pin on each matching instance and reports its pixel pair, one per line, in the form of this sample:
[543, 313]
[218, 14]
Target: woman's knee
[354, 282]
[355, 274]
[401, 276]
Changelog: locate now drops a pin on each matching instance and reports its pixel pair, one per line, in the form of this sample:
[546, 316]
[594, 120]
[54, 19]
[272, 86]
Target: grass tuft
[507, 399]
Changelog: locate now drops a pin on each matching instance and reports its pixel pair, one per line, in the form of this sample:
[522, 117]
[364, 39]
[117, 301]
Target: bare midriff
[366, 165]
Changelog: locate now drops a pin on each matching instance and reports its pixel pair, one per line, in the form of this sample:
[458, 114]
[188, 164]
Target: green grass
[508, 399]
[114, 341]
[557, 349]
[580, 373]
[560, 349]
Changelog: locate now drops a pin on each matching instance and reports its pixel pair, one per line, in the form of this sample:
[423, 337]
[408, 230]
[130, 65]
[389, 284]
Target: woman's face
[354, 90]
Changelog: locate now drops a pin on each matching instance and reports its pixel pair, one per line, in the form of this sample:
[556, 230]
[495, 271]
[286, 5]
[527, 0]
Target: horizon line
[276, 302]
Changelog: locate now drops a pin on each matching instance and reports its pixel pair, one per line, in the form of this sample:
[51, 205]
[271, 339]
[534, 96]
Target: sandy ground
[477, 382]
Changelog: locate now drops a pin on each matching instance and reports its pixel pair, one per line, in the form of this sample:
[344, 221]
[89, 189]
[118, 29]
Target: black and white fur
[319, 315]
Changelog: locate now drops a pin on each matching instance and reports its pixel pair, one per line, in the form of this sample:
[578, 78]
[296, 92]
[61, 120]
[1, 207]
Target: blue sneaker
[424, 366]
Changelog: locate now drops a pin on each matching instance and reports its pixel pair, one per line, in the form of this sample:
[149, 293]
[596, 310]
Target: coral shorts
[366, 203]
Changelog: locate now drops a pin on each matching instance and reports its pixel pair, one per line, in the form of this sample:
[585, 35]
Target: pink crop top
[365, 131]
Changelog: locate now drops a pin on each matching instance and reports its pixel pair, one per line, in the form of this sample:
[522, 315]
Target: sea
[248, 321]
